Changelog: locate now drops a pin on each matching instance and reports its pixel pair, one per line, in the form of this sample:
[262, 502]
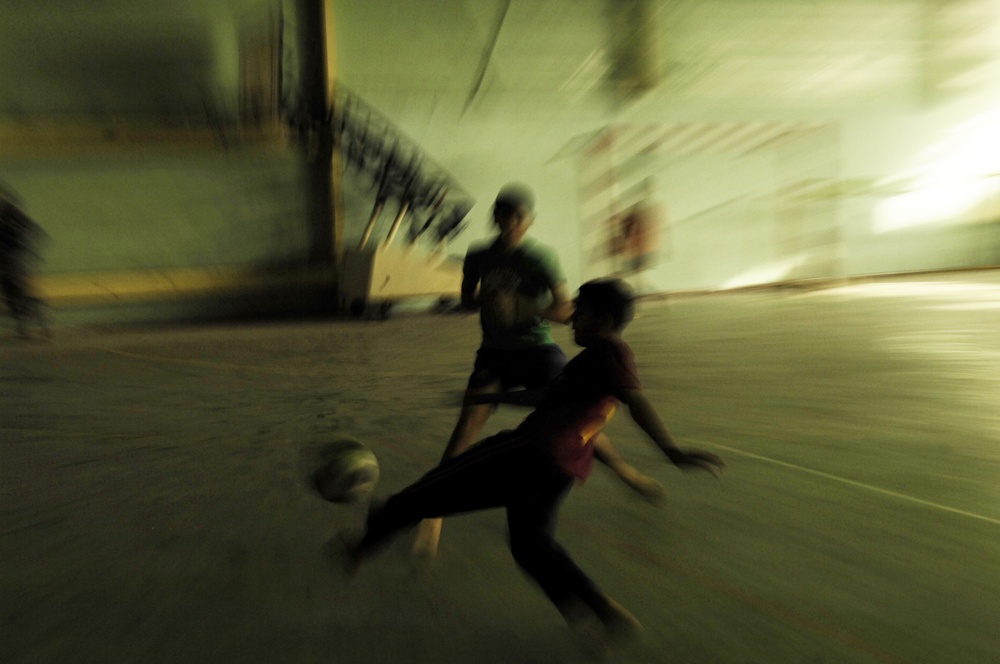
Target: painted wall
[136, 169]
[138, 213]
[934, 202]
[863, 195]
[724, 219]
[729, 222]
[204, 235]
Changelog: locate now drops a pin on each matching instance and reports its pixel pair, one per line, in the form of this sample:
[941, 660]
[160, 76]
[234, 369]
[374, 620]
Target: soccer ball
[347, 470]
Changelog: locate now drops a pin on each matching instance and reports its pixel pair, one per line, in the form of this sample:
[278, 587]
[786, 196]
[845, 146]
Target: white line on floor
[844, 480]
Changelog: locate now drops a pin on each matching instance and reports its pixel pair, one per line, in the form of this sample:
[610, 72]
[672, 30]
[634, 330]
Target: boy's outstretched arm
[647, 487]
[644, 415]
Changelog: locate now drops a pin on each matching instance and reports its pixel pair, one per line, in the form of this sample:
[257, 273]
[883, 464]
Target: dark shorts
[524, 367]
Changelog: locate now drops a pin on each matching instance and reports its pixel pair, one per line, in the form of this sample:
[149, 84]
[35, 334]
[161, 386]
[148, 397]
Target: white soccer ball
[348, 470]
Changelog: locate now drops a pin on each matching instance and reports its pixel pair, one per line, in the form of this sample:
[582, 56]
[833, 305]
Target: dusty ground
[152, 508]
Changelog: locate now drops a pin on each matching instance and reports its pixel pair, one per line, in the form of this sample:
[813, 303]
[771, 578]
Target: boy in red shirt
[530, 470]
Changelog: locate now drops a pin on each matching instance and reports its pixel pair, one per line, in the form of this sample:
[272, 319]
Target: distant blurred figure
[19, 240]
[638, 241]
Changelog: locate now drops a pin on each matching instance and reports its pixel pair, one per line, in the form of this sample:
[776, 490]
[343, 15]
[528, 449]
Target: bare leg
[470, 422]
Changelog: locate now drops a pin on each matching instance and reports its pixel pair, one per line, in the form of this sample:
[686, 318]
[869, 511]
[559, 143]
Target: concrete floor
[152, 508]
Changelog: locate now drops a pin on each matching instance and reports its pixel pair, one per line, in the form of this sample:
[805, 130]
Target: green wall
[150, 212]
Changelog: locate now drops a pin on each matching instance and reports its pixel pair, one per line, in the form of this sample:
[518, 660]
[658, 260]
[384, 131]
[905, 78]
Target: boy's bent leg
[532, 519]
[575, 595]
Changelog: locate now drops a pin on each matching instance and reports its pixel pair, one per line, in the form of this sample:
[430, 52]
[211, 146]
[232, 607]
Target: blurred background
[192, 155]
[213, 159]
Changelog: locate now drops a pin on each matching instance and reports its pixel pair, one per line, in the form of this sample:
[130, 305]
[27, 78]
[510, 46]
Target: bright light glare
[764, 274]
[970, 306]
[957, 175]
[940, 203]
[977, 292]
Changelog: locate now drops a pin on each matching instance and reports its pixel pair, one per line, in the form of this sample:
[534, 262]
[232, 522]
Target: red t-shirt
[581, 402]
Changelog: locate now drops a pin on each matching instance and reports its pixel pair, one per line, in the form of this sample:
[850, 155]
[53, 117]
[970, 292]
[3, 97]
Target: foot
[344, 551]
[591, 638]
[619, 623]
[599, 636]
[428, 536]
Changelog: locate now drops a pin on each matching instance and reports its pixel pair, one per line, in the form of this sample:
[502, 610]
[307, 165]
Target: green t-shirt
[530, 270]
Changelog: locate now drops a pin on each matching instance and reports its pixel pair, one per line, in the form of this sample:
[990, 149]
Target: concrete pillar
[323, 166]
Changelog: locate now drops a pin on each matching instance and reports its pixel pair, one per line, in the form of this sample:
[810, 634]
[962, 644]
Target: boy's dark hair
[512, 199]
[609, 297]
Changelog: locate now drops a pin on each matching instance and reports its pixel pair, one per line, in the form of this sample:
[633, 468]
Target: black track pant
[507, 470]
